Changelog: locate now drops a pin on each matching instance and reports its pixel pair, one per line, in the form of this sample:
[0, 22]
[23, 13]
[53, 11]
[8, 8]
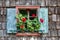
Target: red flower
[33, 15]
[22, 26]
[41, 20]
[24, 19]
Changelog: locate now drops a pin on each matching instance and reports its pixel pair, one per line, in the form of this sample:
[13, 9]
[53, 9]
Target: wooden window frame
[27, 7]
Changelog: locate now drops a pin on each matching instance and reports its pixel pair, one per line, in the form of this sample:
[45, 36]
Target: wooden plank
[11, 20]
[43, 15]
[28, 7]
[27, 34]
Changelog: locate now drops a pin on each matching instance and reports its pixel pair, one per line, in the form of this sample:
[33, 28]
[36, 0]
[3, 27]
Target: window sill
[27, 34]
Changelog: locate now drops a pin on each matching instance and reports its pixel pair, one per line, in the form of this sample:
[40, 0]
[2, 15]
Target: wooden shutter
[43, 13]
[11, 20]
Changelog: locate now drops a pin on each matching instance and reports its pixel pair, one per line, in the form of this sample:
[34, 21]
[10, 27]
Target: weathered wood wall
[54, 21]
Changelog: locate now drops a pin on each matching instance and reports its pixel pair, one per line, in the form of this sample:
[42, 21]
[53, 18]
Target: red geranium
[33, 15]
[24, 19]
[41, 20]
[22, 26]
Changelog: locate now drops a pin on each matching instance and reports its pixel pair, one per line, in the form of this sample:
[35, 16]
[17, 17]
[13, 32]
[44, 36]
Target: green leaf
[17, 16]
[20, 15]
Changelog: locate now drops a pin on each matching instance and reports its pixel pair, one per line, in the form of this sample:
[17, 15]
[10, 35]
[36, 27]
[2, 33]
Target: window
[31, 19]
[27, 19]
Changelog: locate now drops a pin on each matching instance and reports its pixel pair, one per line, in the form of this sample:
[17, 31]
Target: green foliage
[32, 25]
